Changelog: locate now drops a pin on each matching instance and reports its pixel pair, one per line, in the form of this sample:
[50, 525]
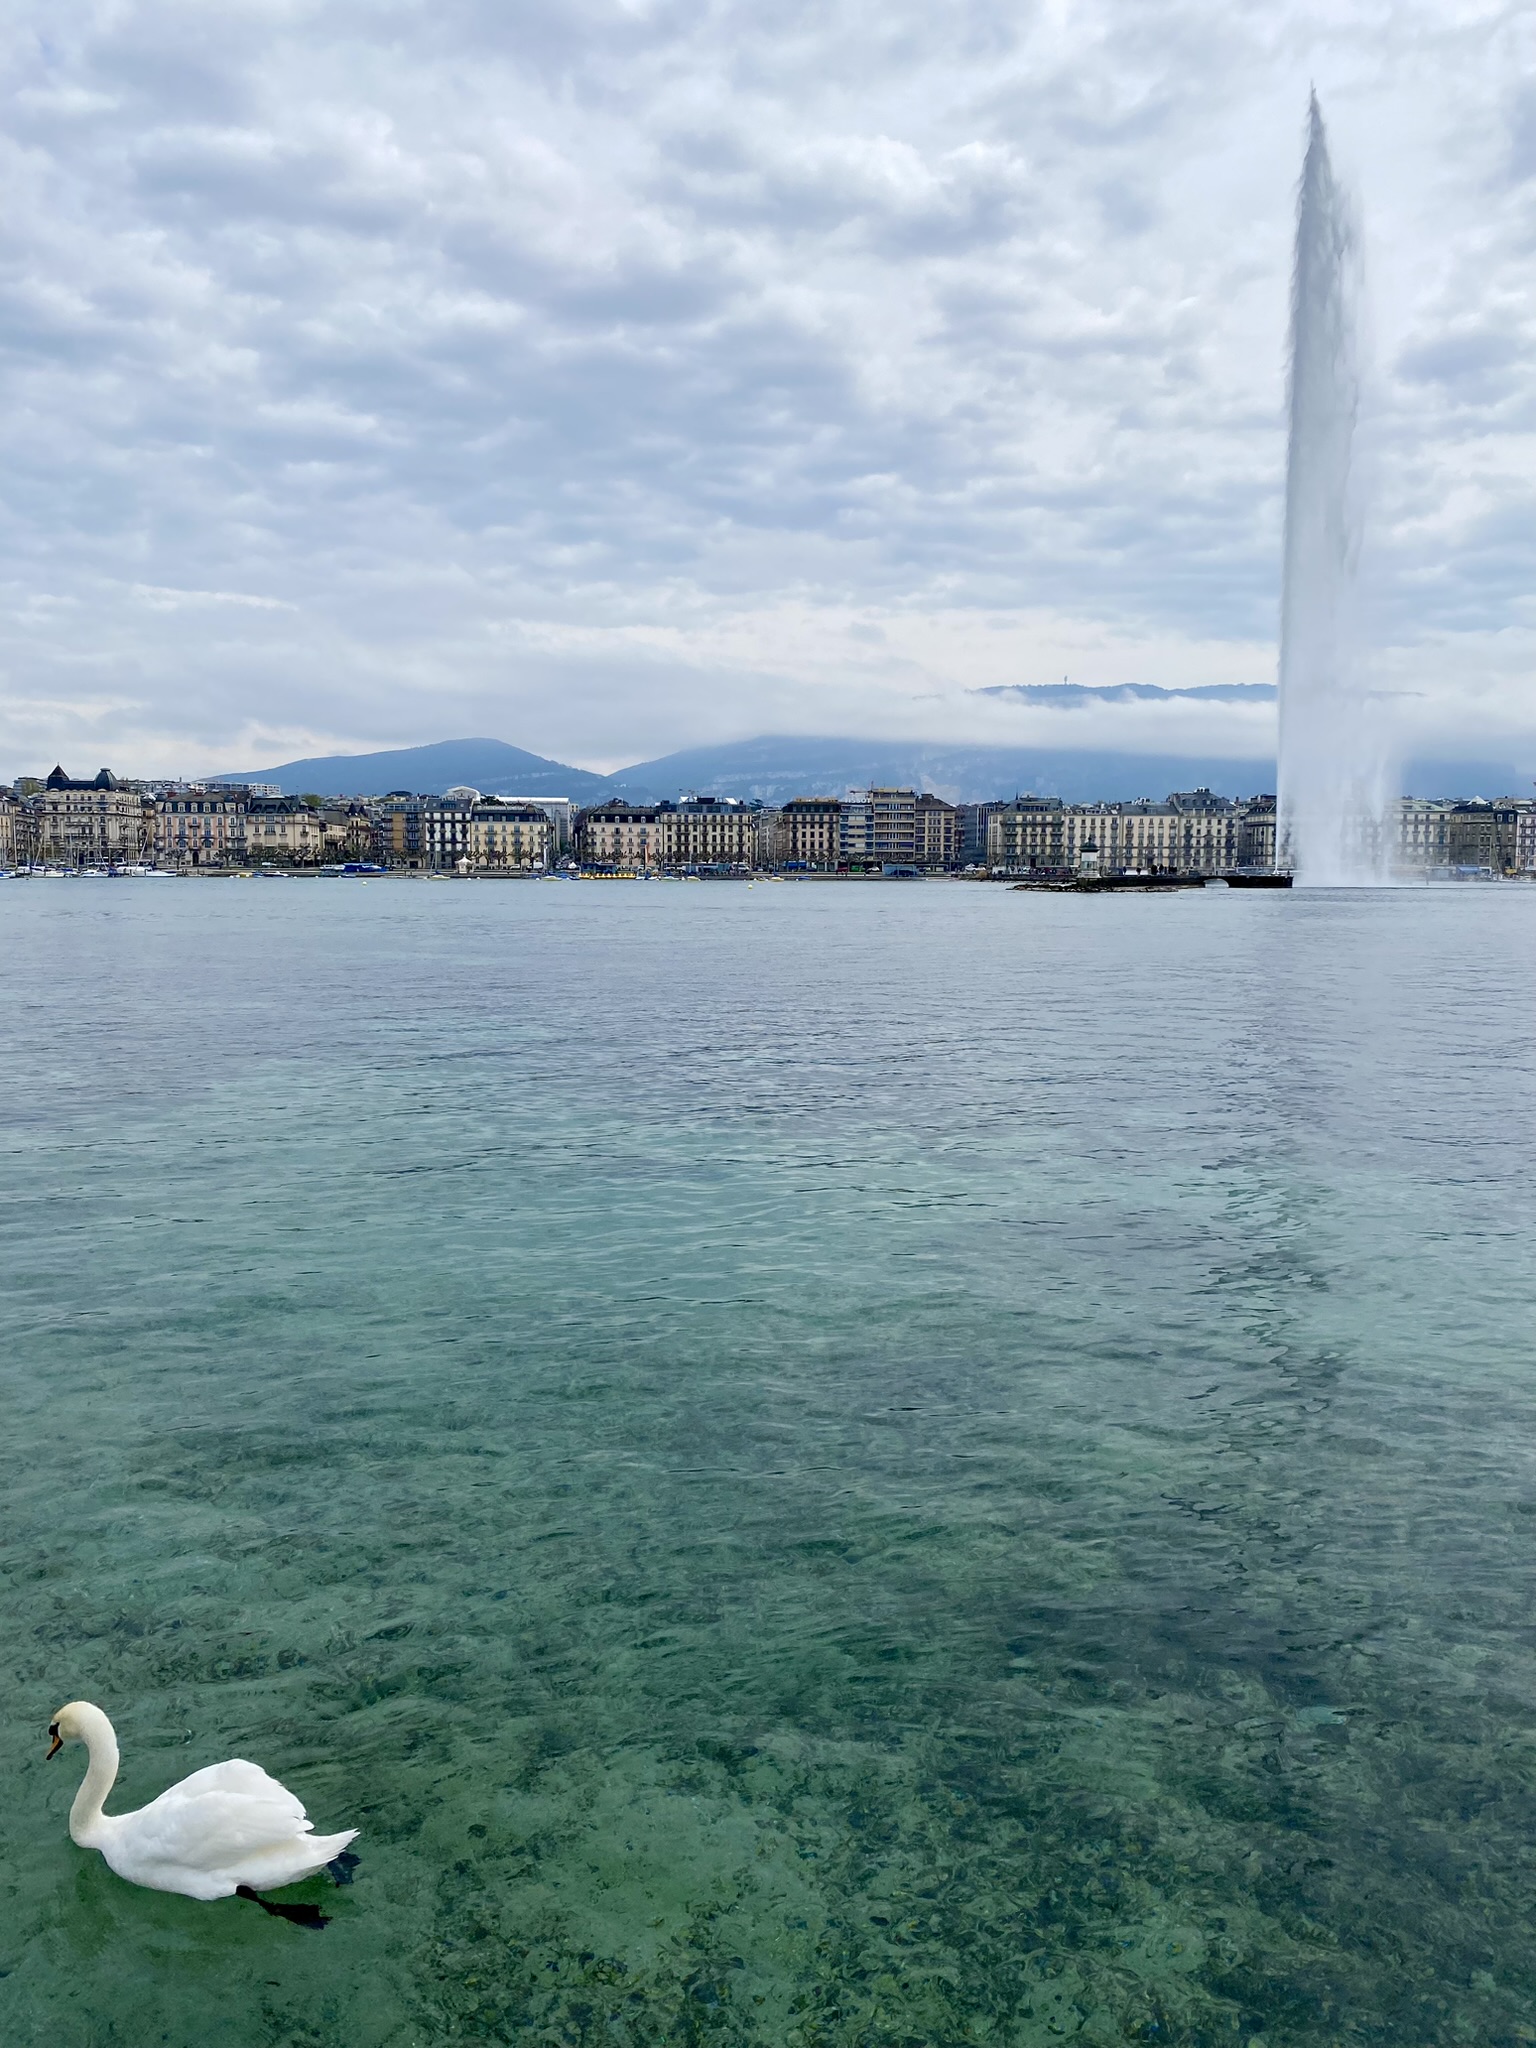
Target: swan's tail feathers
[301, 1916]
[328, 1848]
[341, 1867]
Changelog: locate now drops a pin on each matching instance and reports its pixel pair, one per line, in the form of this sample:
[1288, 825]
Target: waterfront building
[1202, 837]
[1195, 832]
[1483, 835]
[974, 821]
[1028, 833]
[937, 833]
[283, 831]
[893, 825]
[397, 831]
[86, 824]
[10, 812]
[460, 830]
[856, 830]
[445, 829]
[1515, 810]
[709, 831]
[808, 834]
[200, 828]
[510, 838]
[346, 831]
[1419, 837]
[1440, 836]
[700, 831]
[887, 827]
[620, 835]
[1192, 832]
[1255, 842]
[26, 827]
[768, 816]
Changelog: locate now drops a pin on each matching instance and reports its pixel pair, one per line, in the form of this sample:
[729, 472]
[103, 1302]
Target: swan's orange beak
[58, 1744]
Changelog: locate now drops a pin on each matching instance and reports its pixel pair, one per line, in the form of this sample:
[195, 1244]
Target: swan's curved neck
[86, 1816]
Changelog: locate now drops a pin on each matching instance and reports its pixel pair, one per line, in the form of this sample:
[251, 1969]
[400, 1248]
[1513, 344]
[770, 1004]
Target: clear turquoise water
[812, 1465]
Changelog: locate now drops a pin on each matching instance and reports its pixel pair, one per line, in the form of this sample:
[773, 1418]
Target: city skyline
[103, 825]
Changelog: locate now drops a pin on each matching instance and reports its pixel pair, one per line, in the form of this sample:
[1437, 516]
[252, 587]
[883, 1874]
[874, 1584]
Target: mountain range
[774, 768]
[490, 765]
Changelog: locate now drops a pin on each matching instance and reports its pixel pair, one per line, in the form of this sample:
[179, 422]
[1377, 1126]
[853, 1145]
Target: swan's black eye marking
[53, 1727]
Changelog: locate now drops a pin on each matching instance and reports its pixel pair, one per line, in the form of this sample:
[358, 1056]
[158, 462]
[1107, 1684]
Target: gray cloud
[620, 376]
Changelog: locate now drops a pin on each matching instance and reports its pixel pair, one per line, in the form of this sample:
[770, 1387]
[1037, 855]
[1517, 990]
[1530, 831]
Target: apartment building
[893, 825]
[445, 829]
[508, 838]
[711, 831]
[621, 835]
[200, 828]
[1484, 835]
[87, 824]
[1028, 833]
[1422, 840]
[397, 829]
[1192, 832]
[937, 833]
[974, 819]
[1428, 835]
[1195, 832]
[700, 831]
[808, 834]
[346, 831]
[887, 827]
[856, 830]
[282, 831]
[1256, 821]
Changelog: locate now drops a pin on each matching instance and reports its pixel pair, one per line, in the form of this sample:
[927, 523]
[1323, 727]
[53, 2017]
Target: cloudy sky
[616, 375]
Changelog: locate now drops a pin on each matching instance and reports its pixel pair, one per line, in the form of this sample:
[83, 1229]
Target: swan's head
[73, 1724]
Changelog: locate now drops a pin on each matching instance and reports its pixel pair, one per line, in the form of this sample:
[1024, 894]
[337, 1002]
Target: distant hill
[490, 765]
[774, 768]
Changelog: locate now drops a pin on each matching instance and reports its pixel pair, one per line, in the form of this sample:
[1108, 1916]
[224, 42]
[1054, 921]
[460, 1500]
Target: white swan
[227, 1831]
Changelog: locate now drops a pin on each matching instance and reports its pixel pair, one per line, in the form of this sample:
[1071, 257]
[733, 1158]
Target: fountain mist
[1333, 764]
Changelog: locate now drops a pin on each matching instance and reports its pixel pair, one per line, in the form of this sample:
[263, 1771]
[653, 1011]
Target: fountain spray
[1333, 764]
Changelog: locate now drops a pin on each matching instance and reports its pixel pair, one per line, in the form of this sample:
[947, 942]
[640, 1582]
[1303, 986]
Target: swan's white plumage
[225, 1826]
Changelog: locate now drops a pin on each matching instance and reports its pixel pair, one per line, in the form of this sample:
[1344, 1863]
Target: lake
[856, 1464]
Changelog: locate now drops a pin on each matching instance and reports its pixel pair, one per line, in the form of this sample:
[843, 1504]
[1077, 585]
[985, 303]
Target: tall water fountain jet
[1333, 764]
